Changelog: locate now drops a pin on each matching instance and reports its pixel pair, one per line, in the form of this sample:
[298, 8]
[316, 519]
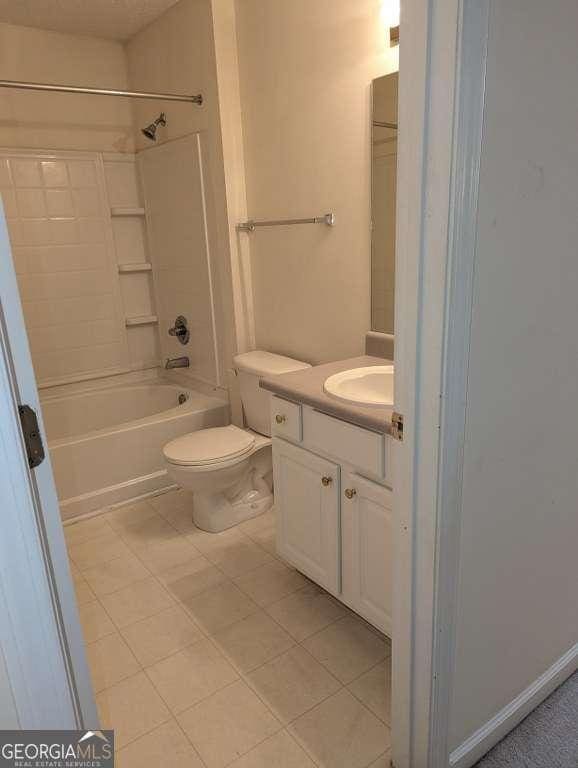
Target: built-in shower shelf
[140, 267]
[127, 211]
[131, 322]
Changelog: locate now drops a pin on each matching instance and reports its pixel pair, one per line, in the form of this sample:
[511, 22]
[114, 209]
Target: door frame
[441, 101]
[40, 635]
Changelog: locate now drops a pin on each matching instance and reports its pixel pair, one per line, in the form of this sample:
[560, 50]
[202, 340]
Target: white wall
[518, 575]
[62, 121]
[305, 72]
[57, 200]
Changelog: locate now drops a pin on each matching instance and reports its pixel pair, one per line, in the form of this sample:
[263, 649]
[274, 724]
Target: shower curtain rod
[193, 99]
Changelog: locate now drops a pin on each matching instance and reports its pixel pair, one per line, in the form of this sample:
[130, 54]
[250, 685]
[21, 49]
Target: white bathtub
[106, 443]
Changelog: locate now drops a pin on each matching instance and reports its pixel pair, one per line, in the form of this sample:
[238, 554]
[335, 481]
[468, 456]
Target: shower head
[151, 130]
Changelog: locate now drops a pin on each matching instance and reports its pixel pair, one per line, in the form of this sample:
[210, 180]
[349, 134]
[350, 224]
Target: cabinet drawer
[286, 419]
[359, 447]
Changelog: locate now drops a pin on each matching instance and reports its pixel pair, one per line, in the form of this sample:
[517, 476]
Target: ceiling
[111, 19]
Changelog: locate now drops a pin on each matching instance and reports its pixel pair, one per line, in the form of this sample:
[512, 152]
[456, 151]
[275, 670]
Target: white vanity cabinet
[366, 534]
[308, 534]
[333, 506]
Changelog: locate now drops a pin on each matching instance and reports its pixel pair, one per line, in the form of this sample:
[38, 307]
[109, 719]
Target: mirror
[383, 184]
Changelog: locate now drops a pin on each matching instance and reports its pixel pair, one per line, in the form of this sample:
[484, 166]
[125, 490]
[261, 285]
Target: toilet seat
[208, 447]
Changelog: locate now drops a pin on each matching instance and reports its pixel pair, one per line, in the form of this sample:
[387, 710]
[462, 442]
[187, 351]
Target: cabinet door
[307, 502]
[366, 518]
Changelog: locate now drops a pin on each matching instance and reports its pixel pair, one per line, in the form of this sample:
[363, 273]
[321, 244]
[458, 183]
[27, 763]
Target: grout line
[205, 635]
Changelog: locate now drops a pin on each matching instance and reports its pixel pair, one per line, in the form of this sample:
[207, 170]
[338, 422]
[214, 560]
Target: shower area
[108, 178]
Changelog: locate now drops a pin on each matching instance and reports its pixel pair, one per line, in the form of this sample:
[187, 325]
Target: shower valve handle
[180, 330]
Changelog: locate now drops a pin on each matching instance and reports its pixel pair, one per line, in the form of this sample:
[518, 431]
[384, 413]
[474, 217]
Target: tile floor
[208, 651]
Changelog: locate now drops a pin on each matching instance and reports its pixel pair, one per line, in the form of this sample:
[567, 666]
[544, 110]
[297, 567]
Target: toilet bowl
[229, 471]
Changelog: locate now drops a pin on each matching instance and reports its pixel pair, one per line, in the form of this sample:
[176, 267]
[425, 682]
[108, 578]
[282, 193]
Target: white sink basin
[363, 386]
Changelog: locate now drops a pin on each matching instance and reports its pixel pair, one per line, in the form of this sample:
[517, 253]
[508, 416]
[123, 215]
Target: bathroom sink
[371, 386]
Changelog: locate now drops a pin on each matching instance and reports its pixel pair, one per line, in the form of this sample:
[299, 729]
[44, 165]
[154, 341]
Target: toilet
[230, 469]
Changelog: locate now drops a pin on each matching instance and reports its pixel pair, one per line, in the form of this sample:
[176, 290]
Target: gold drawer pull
[326, 481]
[280, 418]
[350, 493]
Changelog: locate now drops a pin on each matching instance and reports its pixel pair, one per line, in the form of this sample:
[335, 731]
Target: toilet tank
[251, 367]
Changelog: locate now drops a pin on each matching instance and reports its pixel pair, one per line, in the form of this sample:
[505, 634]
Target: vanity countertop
[306, 387]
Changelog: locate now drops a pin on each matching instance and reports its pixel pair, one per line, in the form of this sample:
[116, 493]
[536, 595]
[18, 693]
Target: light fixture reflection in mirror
[390, 13]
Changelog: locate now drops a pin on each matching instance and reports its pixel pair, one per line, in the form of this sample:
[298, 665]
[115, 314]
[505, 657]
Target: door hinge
[397, 426]
[32, 436]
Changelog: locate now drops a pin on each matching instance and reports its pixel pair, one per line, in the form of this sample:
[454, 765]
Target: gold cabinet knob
[350, 493]
[326, 480]
[280, 418]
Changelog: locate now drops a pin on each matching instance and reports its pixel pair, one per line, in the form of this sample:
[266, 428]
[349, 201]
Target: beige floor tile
[238, 558]
[253, 641]
[191, 578]
[266, 538]
[341, 733]
[168, 554]
[147, 533]
[293, 683]
[191, 675]
[136, 602]
[115, 574]
[84, 593]
[278, 751]
[95, 621]
[100, 549]
[132, 708]
[228, 724]
[129, 514]
[164, 747]
[110, 661]
[255, 525]
[271, 582]
[77, 533]
[348, 648]
[212, 542]
[374, 689]
[161, 635]
[181, 519]
[306, 612]
[220, 607]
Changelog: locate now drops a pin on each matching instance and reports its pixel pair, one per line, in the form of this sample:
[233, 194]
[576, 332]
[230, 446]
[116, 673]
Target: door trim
[468, 121]
[439, 62]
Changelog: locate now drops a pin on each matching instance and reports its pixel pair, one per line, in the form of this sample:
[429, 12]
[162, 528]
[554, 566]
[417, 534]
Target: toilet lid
[208, 446]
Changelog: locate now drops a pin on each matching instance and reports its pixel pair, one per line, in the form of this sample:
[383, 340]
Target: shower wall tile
[59, 226]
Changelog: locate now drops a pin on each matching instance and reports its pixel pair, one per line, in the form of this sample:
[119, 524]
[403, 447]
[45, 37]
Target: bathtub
[106, 442]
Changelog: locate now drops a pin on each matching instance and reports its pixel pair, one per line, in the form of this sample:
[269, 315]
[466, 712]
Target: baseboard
[107, 498]
[476, 746]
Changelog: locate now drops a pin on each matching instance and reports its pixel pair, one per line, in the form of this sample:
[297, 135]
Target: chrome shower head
[151, 130]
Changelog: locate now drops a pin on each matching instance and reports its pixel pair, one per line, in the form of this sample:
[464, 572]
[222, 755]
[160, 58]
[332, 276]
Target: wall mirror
[383, 184]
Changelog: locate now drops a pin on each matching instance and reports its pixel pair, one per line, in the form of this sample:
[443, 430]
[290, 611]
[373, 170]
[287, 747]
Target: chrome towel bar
[250, 226]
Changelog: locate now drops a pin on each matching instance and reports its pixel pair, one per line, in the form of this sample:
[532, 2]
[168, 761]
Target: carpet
[547, 738]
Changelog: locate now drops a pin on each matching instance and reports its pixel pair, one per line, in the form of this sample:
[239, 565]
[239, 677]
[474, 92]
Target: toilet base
[214, 512]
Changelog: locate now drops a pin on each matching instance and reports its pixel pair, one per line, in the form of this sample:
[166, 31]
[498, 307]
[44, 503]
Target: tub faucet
[177, 362]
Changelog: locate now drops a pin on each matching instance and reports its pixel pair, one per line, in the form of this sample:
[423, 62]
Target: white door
[44, 677]
[307, 493]
[366, 511]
